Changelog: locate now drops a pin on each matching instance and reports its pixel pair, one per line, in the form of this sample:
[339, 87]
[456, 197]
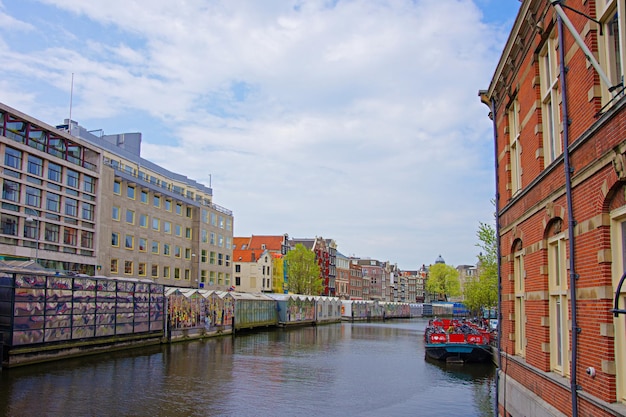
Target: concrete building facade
[90, 204]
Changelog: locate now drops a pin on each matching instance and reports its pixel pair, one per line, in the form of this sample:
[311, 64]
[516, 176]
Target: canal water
[343, 369]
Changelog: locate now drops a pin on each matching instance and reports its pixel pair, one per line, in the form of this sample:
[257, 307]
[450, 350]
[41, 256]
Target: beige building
[90, 204]
[50, 189]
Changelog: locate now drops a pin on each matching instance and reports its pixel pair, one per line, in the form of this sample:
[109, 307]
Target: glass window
[51, 232]
[558, 305]
[130, 192]
[187, 274]
[154, 273]
[143, 244]
[189, 212]
[11, 191]
[179, 209]
[166, 249]
[155, 247]
[128, 267]
[155, 224]
[114, 266]
[117, 187]
[515, 147]
[33, 197]
[144, 196]
[618, 251]
[141, 268]
[177, 251]
[166, 272]
[167, 227]
[89, 184]
[129, 242]
[35, 165]
[115, 239]
[520, 307]
[213, 218]
[88, 211]
[54, 172]
[178, 230]
[12, 158]
[550, 110]
[156, 201]
[86, 239]
[176, 273]
[70, 236]
[72, 178]
[187, 253]
[9, 225]
[115, 213]
[168, 205]
[188, 232]
[53, 202]
[143, 220]
[71, 207]
[130, 216]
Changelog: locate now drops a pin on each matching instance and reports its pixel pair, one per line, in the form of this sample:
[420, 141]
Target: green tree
[443, 280]
[303, 273]
[278, 280]
[483, 290]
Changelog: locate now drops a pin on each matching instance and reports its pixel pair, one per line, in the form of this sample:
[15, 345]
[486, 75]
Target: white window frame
[612, 61]
[558, 305]
[515, 147]
[550, 100]
[519, 276]
[618, 248]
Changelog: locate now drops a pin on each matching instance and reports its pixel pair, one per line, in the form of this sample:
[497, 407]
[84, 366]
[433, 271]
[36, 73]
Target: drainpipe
[497, 204]
[492, 106]
[571, 223]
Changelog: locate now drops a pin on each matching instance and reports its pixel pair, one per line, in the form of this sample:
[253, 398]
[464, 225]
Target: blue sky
[353, 120]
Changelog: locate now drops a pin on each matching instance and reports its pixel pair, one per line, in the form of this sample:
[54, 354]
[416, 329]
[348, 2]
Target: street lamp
[36, 221]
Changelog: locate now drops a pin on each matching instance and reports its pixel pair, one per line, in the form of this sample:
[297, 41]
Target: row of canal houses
[258, 267]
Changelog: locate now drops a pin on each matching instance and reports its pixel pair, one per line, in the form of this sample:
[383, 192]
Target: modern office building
[557, 103]
[50, 196]
[79, 202]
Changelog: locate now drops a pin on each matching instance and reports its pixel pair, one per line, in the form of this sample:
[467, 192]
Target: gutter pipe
[571, 223]
[491, 102]
[498, 262]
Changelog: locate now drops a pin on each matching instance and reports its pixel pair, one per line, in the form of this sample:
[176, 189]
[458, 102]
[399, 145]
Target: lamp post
[36, 221]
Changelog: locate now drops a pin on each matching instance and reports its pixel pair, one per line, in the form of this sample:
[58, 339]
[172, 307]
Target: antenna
[69, 122]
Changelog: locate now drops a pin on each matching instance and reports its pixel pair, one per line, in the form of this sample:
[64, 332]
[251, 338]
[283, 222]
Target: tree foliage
[483, 290]
[303, 273]
[443, 280]
[278, 274]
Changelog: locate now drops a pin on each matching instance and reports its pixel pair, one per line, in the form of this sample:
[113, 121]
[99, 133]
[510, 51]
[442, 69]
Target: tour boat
[457, 341]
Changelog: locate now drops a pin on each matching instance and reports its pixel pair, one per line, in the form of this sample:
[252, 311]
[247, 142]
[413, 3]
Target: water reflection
[364, 369]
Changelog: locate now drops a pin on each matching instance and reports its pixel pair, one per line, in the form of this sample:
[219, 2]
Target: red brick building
[561, 205]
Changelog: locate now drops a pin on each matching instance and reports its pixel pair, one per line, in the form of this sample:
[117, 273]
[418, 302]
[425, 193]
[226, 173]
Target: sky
[354, 120]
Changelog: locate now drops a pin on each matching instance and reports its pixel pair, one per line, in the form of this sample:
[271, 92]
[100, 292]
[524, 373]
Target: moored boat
[457, 341]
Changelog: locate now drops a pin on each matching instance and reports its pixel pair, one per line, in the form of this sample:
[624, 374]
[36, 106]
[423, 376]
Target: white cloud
[352, 120]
